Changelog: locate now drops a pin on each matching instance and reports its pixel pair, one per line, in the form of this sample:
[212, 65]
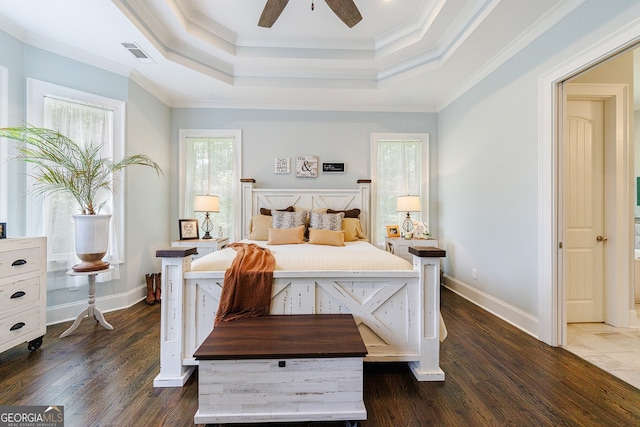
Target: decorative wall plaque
[282, 165]
[333, 167]
[307, 166]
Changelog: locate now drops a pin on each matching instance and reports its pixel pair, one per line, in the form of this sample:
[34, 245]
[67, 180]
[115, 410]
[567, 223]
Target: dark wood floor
[495, 375]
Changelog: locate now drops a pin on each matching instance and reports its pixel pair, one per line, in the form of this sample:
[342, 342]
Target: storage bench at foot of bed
[281, 368]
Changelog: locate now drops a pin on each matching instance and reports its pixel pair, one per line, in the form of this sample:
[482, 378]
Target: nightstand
[204, 246]
[400, 246]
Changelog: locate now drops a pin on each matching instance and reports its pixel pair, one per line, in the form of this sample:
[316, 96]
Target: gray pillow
[288, 219]
[327, 221]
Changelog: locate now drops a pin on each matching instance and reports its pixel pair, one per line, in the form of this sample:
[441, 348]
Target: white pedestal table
[91, 310]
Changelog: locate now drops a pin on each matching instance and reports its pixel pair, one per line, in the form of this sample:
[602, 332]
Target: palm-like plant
[61, 165]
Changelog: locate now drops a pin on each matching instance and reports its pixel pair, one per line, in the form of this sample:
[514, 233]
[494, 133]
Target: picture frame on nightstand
[393, 231]
[188, 229]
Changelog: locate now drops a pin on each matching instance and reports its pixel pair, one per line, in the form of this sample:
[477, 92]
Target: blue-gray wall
[331, 135]
[489, 171]
[147, 131]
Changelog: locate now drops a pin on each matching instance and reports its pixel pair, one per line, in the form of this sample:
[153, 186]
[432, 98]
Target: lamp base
[207, 226]
[407, 227]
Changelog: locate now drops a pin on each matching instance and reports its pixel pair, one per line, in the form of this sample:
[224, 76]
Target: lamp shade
[408, 204]
[206, 203]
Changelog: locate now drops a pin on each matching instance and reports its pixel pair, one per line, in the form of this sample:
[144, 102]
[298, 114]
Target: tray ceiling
[405, 55]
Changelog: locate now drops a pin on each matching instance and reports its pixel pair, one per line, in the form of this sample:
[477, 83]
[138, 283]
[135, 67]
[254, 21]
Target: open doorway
[597, 211]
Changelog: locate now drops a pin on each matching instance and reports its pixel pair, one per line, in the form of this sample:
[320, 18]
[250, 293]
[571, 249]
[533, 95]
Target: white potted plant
[61, 165]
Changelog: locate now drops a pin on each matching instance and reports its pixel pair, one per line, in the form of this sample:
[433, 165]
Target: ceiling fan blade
[271, 12]
[346, 10]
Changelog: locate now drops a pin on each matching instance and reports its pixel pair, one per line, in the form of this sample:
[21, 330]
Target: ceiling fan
[346, 10]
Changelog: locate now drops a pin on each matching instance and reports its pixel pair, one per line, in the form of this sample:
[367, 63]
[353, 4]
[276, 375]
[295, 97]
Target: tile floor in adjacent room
[615, 350]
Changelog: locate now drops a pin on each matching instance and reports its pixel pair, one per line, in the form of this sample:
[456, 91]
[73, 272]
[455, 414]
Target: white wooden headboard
[254, 198]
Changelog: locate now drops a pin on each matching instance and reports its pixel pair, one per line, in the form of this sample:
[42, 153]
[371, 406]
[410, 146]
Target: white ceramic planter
[92, 241]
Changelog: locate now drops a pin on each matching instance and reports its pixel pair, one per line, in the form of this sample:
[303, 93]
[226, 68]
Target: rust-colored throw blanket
[246, 291]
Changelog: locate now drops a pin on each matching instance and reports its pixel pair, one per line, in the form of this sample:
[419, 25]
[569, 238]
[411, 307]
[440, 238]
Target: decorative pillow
[352, 229]
[265, 211]
[259, 227]
[326, 221]
[351, 213]
[288, 219]
[318, 236]
[286, 236]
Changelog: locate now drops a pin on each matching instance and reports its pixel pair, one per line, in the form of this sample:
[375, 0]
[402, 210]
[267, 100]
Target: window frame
[377, 236]
[36, 92]
[236, 134]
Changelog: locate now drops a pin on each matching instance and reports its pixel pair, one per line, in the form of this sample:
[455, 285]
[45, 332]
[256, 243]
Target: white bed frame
[398, 312]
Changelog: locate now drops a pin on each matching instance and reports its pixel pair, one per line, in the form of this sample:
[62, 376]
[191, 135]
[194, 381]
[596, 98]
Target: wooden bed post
[365, 205]
[427, 261]
[246, 208]
[175, 261]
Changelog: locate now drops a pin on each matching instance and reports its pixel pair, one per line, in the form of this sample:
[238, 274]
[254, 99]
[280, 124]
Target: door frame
[551, 326]
[618, 209]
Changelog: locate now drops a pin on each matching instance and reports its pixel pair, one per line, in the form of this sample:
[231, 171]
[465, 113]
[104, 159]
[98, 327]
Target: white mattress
[354, 256]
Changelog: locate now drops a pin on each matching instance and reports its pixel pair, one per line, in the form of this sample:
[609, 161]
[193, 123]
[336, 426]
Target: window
[87, 119]
[400, 166]
[210, 164]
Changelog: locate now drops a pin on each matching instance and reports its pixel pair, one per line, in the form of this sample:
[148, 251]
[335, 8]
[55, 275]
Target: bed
[396, 304]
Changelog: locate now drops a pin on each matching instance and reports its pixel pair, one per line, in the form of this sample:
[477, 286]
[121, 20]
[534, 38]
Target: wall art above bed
[282, 165]
[307, 166]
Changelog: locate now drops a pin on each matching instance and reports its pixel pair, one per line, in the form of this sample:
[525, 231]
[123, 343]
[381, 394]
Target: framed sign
[3, 230]
[189, 229]
[307, 166]
[333, 167]
[282, 165]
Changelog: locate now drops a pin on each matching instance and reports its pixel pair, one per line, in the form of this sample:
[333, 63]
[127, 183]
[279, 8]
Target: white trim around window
[236, 135]
[36, 91]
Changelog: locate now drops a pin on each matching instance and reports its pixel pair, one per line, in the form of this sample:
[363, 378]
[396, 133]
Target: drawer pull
[18, 295]
[18, 262]
[17, 326]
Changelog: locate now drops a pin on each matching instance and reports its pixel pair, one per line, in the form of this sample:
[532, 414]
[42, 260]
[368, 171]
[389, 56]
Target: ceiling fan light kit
[346, 10]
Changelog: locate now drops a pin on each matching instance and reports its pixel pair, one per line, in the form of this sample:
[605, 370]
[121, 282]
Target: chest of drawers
[23, 291]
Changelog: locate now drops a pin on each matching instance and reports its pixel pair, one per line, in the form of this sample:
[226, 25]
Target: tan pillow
[326, 237]
[352, 228]
[286, 236]
[259, 227]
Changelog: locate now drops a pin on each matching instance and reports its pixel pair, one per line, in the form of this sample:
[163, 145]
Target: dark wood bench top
[284, 336]
[176, 252]
[427, 251]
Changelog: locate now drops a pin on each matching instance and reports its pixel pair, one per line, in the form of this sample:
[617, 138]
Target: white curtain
[210, 168]
[399, 172]
[51, 216]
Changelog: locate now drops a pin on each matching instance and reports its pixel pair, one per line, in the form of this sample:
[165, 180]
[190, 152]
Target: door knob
[601, 238]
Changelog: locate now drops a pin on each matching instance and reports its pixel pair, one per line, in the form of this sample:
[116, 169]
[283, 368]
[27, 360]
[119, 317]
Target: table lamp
[207, 204]
[408, 204]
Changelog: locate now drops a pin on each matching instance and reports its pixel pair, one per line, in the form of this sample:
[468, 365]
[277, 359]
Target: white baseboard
[504, 311]
[66, 312]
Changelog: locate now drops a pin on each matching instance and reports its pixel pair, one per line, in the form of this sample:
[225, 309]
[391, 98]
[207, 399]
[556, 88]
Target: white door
[584, 237]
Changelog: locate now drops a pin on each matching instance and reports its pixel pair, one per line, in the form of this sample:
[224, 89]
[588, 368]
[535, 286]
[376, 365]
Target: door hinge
[560, 245]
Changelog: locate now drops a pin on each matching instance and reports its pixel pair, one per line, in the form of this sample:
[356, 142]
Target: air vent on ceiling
[138, 52]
